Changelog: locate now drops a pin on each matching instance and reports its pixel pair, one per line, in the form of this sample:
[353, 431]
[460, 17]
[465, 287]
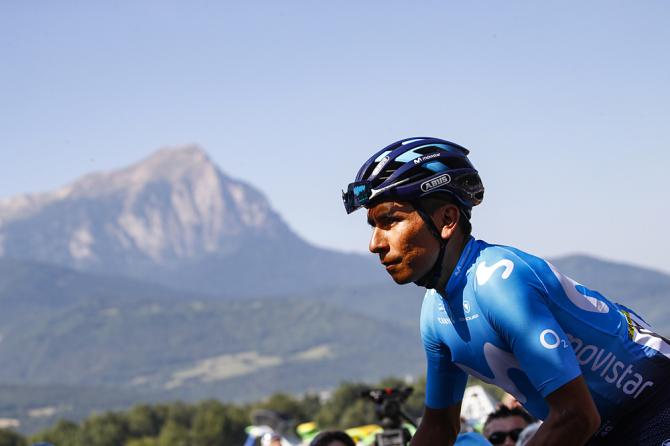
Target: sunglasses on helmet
[359, 194]
[498, 437]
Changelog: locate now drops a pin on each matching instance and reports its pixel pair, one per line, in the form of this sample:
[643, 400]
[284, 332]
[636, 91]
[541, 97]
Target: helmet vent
[459, 163]
[425, 150]
[388, 170]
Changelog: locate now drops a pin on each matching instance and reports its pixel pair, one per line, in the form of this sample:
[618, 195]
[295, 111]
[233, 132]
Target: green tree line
[211, 422]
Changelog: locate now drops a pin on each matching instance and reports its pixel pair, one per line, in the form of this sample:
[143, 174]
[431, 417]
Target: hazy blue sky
[564, 105]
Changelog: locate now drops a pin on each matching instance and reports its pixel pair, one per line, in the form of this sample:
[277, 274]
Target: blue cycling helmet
[414, 168]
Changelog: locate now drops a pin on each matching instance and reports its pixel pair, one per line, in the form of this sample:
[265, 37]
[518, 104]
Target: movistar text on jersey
[611, 368]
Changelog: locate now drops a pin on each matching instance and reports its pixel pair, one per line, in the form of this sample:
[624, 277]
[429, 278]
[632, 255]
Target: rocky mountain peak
[175, 204]
[185, 163]
[175, 162]
[173, 165]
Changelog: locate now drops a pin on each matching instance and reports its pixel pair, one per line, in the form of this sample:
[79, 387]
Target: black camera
[388, 406]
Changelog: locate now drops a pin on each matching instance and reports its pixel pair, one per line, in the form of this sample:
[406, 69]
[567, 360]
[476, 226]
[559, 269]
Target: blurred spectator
[271, 439]
[332, 438]
[510, 401]
[503, 427]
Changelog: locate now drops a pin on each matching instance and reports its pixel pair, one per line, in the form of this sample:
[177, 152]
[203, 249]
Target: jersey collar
[459, 275]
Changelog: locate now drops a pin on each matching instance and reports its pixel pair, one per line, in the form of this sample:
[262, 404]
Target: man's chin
[401, 280]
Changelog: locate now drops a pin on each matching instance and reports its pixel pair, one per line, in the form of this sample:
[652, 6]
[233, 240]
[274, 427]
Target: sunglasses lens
[356, 196]
[499, 437]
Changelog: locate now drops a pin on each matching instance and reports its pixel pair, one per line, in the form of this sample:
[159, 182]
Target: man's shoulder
[503, 265]
[496, 250]
[503, 277]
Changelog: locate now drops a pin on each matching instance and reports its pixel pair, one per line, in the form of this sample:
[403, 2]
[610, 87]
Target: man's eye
[387, 221]
[383, 221]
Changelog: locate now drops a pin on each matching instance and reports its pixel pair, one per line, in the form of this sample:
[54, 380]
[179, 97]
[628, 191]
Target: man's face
[502, 427]
[400, 237]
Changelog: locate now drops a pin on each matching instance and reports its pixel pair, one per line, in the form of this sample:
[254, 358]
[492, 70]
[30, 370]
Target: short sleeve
[445, 382]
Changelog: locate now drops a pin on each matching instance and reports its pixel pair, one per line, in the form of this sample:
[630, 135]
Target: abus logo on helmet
[436, 182]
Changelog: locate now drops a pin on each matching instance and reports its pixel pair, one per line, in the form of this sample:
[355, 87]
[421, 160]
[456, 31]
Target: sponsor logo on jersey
[435, 182]
[551, 340]
[447, 319]
[484, 272]
[612, 370]
[421, 159]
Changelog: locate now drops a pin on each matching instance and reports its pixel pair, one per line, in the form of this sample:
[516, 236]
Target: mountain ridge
[172, 218]
[61, 327]
[153, 165]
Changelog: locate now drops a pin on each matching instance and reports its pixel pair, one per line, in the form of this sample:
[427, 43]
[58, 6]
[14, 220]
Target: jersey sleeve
[445, 382]
[515, 301]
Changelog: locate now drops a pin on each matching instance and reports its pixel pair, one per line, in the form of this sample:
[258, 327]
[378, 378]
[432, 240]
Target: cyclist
[591, 369]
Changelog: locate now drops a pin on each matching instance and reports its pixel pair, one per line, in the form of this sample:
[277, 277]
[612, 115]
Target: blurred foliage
[346, 408]
[212, 423]
[11, 438]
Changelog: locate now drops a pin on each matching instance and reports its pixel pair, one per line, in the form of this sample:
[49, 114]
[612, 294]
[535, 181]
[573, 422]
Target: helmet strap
[430, 279]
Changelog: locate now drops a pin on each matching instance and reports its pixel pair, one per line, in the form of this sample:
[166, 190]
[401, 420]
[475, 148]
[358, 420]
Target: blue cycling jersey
[513, 320]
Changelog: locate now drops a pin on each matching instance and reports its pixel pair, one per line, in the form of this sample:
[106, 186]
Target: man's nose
[377, 242]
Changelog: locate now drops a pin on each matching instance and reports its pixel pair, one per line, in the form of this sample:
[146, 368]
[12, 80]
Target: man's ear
[449, 217]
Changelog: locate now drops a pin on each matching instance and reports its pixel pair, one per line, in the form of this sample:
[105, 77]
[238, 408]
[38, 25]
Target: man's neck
[455, 248]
